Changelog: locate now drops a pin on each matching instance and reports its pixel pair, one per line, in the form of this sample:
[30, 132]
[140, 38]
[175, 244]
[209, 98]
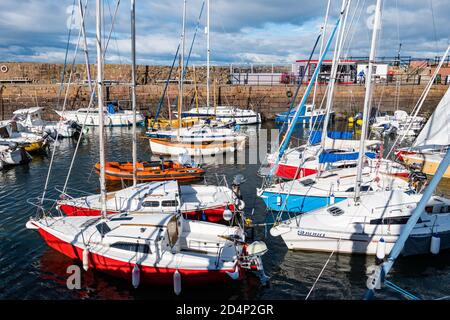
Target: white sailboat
[198, 140]
[225, 113]
[197, 202]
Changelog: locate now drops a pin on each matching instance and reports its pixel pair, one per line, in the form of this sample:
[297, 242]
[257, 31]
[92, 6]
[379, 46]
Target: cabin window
[363, 189]
[393, 220]
[307, 182]
[103, 228]
[310, 159]
[129, 246]
[335, 211]
[170, 203]
[151, 204]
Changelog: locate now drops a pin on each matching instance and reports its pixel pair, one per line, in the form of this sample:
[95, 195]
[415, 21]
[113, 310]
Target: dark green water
[31, 270]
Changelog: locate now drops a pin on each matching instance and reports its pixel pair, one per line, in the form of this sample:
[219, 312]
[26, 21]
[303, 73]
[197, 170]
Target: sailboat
[225, 114]
[430, 146]
[148, 248]
[200, 139]
[328, 187]
[114, 116]
[367, 223]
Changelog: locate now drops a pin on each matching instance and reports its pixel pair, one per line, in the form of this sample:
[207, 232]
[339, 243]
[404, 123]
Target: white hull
[117, 119]
[166, 148]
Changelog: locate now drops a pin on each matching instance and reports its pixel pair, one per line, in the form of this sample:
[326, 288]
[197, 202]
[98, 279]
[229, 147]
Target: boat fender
[332, 199]
[216, 150]
[381, 249]
[232, 149]
[227, 214]
[203, 216]
[86, 259]
[240, 205]
[279, 200]
[435, 245]
[177, 282]
[4, 69]
[135, 276]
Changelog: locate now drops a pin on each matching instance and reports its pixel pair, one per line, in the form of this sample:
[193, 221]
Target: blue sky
[251, 31]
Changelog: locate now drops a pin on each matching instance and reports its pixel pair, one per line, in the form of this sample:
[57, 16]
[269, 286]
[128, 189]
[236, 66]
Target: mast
[101, 127]
[412, 221]
[324, 30]
[183, 42]
[367, 100]
[133, 85]
[208, 56]
[334, 67]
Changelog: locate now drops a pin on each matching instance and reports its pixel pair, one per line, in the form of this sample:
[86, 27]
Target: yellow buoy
[351, 120]
[359, 122]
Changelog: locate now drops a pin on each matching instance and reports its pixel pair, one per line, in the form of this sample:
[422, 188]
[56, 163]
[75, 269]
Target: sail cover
[436, 131]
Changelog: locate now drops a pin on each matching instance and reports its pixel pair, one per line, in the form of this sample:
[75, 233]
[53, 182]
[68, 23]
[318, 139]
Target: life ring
[4, 68]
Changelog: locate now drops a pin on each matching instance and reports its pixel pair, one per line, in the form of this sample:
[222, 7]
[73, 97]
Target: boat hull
[296, 203]
[124, 269]
[166, 147]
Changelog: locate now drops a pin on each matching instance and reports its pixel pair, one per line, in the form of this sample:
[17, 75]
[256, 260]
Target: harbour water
[29, 269]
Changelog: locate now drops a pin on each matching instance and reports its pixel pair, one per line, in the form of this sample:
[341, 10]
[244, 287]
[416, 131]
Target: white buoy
[135, 276]
[278, 200]
[227, 214]
[435, 245]
[241, 205]
[177, 282]
[381, 249]
[86, 259]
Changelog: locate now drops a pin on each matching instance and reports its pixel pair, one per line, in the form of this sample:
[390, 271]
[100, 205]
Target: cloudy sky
[242, 31]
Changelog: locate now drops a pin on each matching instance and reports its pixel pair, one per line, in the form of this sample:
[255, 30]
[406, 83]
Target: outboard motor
[417, 180]
[76, 126]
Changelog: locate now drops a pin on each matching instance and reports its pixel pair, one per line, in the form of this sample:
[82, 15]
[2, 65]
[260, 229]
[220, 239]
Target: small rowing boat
[151, 171]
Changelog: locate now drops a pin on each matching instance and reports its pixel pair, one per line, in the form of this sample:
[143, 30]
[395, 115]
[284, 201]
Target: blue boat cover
[316, 135]
[327, 157]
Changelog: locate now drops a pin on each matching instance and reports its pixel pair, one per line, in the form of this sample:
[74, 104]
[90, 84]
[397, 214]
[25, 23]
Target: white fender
[136, 276]
[86, 259]
[177, 282]
[227, 214]
[279, 230]
[435, 245]
[381, 249]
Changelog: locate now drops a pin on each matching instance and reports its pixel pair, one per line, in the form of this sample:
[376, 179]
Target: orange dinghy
[151, 171]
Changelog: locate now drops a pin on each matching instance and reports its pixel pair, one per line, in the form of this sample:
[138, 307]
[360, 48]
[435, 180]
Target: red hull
[211, 214]
[149, 275]
[289, 172]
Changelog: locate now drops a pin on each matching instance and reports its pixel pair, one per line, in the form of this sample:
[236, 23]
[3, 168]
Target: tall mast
[208, 53]
[367, 99]
[324, 30]
[334, 67]
[101, 127]
[133, 84]
[180, 105]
